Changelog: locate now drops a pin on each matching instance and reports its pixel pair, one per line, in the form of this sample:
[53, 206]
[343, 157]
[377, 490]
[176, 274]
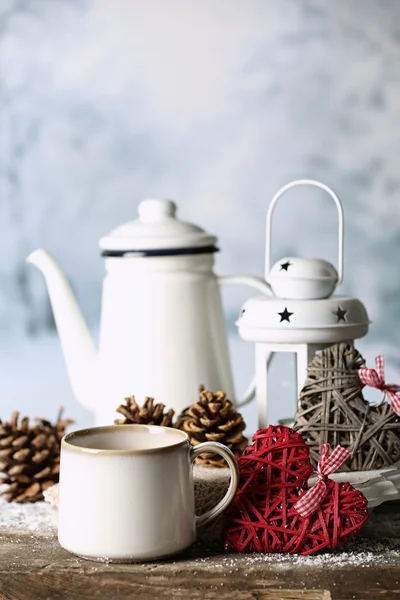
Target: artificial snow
[363, 553]
[37, 517]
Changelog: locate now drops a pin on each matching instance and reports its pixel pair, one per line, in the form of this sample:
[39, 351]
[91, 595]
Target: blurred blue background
[214, 104]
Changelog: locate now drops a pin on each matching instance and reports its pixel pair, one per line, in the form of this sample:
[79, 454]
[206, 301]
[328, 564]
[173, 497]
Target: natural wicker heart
[332, 410]
[274, 471]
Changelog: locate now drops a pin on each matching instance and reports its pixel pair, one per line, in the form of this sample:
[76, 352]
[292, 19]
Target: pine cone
[148, 414]
[29, 457]
[213, 418]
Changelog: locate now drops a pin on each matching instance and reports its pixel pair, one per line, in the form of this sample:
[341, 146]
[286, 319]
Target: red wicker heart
[274, 472]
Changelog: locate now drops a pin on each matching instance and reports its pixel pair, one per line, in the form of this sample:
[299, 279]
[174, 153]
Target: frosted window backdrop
[215, 104]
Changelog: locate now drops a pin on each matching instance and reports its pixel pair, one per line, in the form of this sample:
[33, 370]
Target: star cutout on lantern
[340, 313]
[285, 266]
[285, 315]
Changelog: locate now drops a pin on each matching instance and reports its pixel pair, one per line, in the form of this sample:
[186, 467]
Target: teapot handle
[271, 207]
[262, 286]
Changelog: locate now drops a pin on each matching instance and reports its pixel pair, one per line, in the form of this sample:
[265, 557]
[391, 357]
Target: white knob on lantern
[303, 278]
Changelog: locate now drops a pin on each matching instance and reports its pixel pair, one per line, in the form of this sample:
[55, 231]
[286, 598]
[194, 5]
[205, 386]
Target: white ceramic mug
[126, 492]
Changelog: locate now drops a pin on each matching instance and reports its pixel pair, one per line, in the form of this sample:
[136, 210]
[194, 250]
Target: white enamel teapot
[162, 327]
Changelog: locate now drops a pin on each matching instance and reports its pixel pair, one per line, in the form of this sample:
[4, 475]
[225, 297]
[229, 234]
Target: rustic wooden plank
[292, 595]
[34, 567]
[63, 586]
[50, 589]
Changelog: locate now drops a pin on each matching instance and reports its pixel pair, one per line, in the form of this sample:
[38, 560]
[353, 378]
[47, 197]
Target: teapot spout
[76, 342]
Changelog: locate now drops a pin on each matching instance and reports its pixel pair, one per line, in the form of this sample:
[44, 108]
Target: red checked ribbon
[326, 465]
[376, 378]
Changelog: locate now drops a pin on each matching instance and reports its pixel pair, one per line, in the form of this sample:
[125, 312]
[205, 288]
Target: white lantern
[301, 315]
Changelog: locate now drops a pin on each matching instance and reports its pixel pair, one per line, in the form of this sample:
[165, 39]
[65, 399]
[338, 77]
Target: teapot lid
[157, 232]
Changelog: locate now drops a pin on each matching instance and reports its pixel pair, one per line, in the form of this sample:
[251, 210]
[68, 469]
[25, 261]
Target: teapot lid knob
[153, 210]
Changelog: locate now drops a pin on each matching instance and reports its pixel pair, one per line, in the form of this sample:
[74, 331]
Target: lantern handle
[271, 207]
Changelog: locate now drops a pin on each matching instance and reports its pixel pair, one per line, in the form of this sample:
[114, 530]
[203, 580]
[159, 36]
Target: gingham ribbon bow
[326, 465]
[376, 378]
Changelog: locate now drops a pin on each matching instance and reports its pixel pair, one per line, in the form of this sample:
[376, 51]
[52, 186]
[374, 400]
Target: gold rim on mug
[67, 440]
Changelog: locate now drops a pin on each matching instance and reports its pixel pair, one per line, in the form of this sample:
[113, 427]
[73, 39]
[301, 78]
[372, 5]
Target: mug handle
[223, 451]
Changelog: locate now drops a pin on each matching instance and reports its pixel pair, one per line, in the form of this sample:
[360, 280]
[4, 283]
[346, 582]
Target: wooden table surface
[34, 567]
